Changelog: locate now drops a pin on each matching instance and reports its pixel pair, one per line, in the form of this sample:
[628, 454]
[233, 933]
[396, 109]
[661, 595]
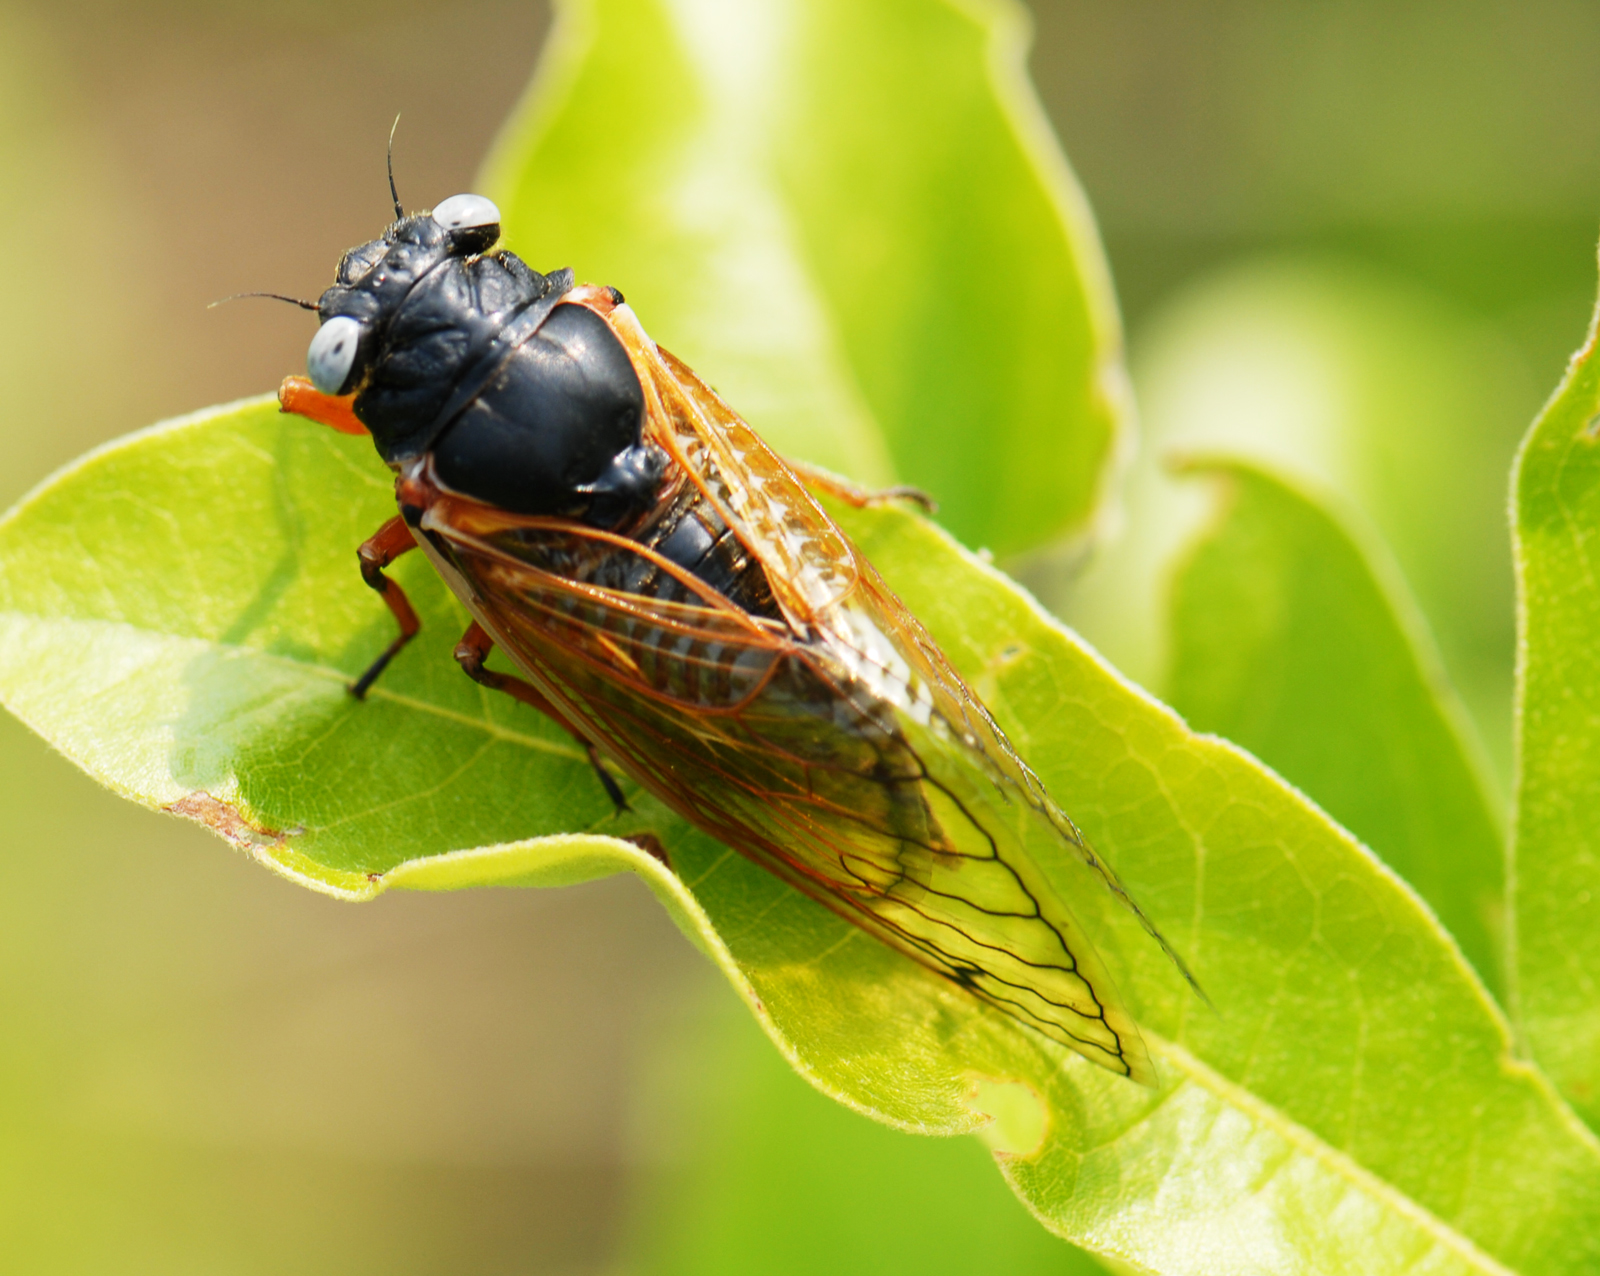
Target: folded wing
[836, 747]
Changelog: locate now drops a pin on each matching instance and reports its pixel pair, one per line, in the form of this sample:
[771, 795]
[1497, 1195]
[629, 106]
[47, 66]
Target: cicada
[673, 595]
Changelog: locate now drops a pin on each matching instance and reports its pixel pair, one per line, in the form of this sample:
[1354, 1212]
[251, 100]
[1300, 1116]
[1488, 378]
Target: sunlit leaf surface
[855, 220]
[1289, 640]
[1556, 902]
[179, 615]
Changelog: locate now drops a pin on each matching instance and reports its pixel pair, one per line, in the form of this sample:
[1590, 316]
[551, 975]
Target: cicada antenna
[274, 296]
[394, 194]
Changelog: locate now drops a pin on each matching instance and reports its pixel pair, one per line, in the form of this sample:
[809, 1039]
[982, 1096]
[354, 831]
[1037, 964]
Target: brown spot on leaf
[226, 822]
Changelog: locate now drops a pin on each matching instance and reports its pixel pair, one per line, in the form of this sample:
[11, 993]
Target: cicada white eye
[333, 353]
[467, 212]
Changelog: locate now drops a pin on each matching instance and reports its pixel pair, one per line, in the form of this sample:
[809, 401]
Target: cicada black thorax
[519, 396]
[525, 401]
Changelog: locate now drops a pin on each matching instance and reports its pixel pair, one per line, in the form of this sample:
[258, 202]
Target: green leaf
[1405, 406]
[855, 217]
[1555, 897]
[1291, 640]
[179, 614]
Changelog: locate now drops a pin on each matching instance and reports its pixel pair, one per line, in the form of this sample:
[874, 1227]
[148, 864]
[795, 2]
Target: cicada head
[385, 291]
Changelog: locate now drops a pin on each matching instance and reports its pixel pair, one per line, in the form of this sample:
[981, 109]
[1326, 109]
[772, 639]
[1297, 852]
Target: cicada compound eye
[467, 212]
[333, 353]
[472, 222]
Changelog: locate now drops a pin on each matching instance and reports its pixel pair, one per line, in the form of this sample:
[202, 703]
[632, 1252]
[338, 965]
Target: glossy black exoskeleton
[670, 594]
[526, 403]
[510, 388]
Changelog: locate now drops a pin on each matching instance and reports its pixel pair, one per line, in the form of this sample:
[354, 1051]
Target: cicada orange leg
[298, 396]
[828, 483]
[387, 544]
[474, 649]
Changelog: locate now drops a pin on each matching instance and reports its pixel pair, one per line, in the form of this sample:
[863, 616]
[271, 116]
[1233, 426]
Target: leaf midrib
[1341, 1164]
[328, 673]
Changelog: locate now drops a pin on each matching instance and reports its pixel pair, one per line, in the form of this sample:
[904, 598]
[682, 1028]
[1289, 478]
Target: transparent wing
[837, 748]
[895, 823]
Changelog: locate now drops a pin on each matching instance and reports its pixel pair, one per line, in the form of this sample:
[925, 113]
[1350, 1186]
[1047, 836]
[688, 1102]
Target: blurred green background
[1355, 239]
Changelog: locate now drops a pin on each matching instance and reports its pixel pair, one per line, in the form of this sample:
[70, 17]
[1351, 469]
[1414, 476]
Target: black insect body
[675, 598]
[525, 402]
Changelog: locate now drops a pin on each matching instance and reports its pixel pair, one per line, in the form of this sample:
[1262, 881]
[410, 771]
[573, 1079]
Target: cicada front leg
[827, 483]
[474, 649]
[299, 397]
[382, 548]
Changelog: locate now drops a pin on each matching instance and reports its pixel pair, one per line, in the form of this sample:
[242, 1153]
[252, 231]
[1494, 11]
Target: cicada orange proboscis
[674, 596]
